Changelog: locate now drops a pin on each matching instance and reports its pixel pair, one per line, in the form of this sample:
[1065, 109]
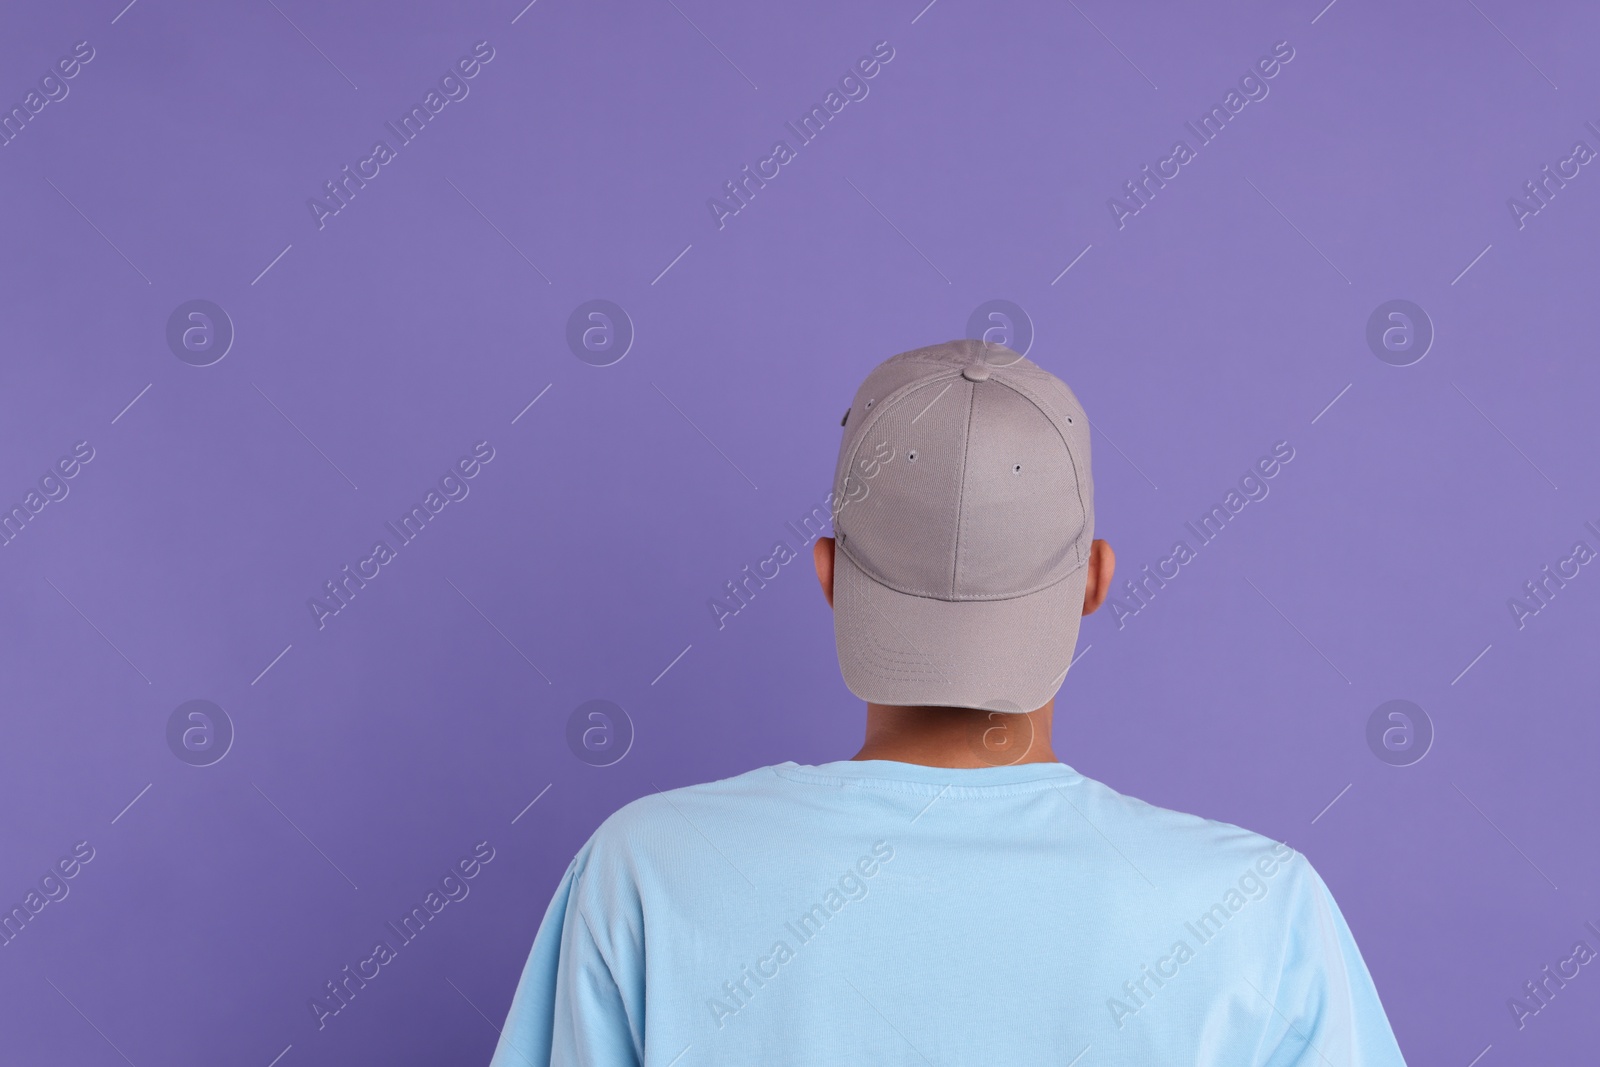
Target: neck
[957, 737]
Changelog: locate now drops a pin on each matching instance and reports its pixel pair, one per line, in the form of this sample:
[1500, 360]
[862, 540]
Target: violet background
[1221, 319]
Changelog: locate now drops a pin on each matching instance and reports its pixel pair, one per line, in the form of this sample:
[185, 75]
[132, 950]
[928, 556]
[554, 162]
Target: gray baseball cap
[964, 512]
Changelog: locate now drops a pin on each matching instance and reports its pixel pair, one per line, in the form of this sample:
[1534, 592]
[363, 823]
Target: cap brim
[1004, 655]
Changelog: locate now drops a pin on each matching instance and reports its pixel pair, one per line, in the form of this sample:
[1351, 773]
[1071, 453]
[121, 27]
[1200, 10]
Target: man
[954, 894]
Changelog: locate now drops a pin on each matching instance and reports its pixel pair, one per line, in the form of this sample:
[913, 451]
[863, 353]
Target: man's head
[963, 554]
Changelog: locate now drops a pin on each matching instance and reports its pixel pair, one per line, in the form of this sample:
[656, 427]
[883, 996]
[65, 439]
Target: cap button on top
[976, 372]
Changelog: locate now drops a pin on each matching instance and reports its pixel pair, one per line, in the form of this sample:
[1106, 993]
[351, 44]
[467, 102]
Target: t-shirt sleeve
[568, 1008]
[1325, 1010]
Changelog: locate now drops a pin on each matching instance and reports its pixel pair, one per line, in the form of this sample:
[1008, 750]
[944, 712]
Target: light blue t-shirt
[876, 912]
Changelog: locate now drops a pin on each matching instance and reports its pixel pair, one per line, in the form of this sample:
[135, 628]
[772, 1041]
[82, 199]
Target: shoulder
[656, 825]
[666, 809]
[1181, 849]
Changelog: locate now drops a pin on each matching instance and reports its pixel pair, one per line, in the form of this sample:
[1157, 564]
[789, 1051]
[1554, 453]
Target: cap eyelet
[870, 403]
[1017, 469]
[911, 456]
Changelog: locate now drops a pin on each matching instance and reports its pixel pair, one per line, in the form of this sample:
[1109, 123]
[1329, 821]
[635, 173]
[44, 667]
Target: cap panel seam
[892, 400]
[961, 488]
[1042, 403]
[848, 462]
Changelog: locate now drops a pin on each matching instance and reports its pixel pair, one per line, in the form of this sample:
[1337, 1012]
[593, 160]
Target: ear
[822, 556]
[1102, 564]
